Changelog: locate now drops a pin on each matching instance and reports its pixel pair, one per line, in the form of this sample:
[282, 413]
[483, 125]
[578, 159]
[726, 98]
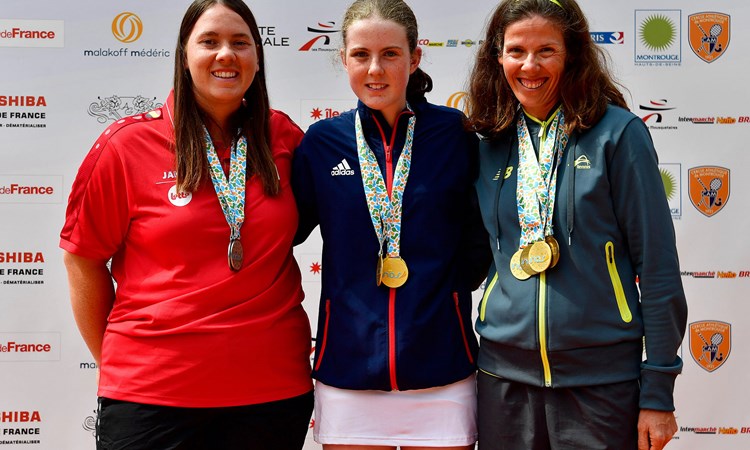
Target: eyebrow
[214, 33]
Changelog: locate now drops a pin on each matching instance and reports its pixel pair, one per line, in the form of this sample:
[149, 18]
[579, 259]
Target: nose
[531, 61]
[225, 53]
[375, 66]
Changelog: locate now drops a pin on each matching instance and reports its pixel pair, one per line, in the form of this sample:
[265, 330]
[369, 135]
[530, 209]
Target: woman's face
[222, 59]
[379, 62]
[533, 60]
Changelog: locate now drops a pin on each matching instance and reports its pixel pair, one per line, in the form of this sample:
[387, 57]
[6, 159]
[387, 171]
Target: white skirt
[443, 416]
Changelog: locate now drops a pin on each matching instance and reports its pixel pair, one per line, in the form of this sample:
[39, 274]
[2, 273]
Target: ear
[416, 58]
[342, 55]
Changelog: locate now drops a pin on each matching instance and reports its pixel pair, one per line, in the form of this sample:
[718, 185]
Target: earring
[244, 102]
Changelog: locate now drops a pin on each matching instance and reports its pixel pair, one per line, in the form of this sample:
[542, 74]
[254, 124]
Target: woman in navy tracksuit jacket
[419, 335]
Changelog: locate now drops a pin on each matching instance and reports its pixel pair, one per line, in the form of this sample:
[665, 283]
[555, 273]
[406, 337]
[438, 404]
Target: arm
[92, 294]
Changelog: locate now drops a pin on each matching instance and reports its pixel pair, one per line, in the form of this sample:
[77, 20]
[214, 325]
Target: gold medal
[379, 271]
[539, 256]
[555, 248]
[395, 272]
[235, 254]
[515, 267]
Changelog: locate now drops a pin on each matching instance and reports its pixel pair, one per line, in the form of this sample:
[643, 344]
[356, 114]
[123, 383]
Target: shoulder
[441, 113]
[130, 126]
[284, 131]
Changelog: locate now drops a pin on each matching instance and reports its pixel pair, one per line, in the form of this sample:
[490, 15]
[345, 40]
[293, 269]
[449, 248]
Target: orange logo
[127, 27]
[708, 188]
[708, 34]
[710, 343]
[460, 101]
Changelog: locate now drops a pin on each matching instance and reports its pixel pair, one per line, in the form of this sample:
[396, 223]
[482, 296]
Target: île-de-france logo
[708, 188]
[657, 41]
[710, 343]
[127, 27]
[708, 35]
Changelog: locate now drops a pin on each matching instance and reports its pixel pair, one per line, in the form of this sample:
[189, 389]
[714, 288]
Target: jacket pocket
[622, 303]
[463, 330]
[483, 303]
[325, 335]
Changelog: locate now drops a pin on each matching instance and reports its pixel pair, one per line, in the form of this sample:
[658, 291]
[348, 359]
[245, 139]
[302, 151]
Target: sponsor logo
[657, 37]
[670, 177]
[708, 35]
[127, 27]
[322, 40]
[18, 115]
[710, 343]
[89, 424]
[28, 275]
[23, 347]
[31, 188]
[608, 37]
[32, 33]
[699, 274]
[460, 101]
[469, 43]
[116, 107]
[714, 430]
[582, 163]
[452, 43]
[708, 188]
[179, 198]
[271, 39]
[312, 111]
[654, 117]
[342, 168]
[315, 268]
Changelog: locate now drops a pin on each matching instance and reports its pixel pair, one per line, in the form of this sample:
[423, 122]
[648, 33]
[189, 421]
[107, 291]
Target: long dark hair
[253, 119]
[396, 11]
[586, 87]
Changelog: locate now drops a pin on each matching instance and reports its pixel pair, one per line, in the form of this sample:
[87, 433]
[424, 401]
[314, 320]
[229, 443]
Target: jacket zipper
[388, 147]
[622, 303]
[543, 329]
[485, 297]
[463, 330]
[325, 335]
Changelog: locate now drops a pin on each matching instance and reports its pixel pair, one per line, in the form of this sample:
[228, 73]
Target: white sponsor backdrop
[60, 87]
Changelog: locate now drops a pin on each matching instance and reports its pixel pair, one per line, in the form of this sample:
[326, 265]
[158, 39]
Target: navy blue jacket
[419, 335]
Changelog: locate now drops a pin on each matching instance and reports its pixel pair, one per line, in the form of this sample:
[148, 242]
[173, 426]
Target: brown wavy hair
[396, 11]
[586, 86]
[252, 120]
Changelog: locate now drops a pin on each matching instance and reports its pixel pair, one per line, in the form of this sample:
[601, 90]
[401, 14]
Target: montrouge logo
[710, 343]
[658, 35]
[708, 35]
[127, 27]
[709, 188]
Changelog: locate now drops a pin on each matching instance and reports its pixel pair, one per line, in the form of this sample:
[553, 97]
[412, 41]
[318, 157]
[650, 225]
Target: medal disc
[554, 246]
[379, 271]
[235, 254]
[515, 267]
[540, 256]
[525, 260]
[394, 272]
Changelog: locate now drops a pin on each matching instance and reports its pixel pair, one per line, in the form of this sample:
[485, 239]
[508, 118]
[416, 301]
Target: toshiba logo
[32, 33]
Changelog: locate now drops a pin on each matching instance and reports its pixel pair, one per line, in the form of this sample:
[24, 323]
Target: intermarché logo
[127, 27]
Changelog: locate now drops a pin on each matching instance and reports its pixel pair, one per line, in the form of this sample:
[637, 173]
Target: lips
[224, 74]
[532, 84]
[376, 86]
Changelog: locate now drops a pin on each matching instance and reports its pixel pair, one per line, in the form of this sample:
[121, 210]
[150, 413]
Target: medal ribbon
[385, 212]
[231, 193]
[535, 194]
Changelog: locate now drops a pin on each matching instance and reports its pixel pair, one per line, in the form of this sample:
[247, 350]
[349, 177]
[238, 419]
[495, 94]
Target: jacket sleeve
[303, 184]
[643, 215]
[476, 241]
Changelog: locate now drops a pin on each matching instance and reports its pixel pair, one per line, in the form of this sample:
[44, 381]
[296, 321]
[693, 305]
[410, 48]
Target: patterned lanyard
[535, 194]
[231, 193]
[385, 212]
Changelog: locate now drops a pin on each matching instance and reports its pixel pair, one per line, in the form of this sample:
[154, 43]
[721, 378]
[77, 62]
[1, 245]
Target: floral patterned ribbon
[535, 192]
[231, 192]
[385, 212]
